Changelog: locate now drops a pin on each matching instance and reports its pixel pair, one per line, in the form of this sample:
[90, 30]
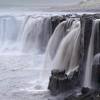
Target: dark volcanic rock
[97, 16]
[58, 73]
[96, 71]
[86, 31]
[60, 82]
[88, 95]
[97, 40]
[55, 20]
[85, 90]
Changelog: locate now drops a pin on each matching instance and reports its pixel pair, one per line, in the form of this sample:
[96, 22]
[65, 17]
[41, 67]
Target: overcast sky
[38, 2]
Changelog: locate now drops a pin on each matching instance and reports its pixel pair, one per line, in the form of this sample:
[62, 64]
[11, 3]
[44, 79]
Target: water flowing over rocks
[67, 56]
[96, 71]
[90, 24]
[90, 46]
[69, 50]
[86, 29]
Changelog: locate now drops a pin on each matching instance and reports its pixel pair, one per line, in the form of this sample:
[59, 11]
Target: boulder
[85, 90]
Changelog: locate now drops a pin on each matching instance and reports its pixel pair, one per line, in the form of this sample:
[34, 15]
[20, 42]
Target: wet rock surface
[60, 82]
[96, 71]
[86, 31]
[86, 94]
[55, 20]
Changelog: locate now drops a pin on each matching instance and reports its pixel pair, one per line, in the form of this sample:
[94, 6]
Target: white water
[23, 40]
[60, 32]
[67, 55]
[24, 35]
[90, 56]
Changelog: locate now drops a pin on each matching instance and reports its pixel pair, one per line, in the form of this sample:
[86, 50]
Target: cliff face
[86, 31]
[59, 82]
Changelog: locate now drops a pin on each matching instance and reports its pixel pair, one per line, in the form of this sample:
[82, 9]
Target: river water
[20, 72]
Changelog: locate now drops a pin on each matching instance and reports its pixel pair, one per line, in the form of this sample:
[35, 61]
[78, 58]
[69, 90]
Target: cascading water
[24, 64]
[67, 56]
[60, 32]
[90, 56]
[34, 32]
[64, 55]
[42, 31]
[23, 40]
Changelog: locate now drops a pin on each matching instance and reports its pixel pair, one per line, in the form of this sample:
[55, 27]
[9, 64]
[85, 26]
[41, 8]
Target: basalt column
[86, 29]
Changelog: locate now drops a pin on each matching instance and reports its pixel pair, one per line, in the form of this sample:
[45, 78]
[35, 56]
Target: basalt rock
[97, 40]
[97, 16]
[55, 20]
[85, 90]
[89, 94]
[58, 73]
[59, 82]
[96, 72]
[86, 31]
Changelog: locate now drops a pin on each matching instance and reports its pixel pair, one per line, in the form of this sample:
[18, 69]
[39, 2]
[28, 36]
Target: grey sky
[37, 2]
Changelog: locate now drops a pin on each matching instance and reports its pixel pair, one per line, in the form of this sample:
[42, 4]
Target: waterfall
[59, 33]
[63, 48]
[67, 56]
[90, 55]
[58, 50]
[8, 32]
[25, 34]
[36, 33]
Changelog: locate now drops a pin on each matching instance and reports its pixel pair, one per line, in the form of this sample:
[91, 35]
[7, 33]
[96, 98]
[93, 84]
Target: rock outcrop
[60, 82]
[96, 72]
